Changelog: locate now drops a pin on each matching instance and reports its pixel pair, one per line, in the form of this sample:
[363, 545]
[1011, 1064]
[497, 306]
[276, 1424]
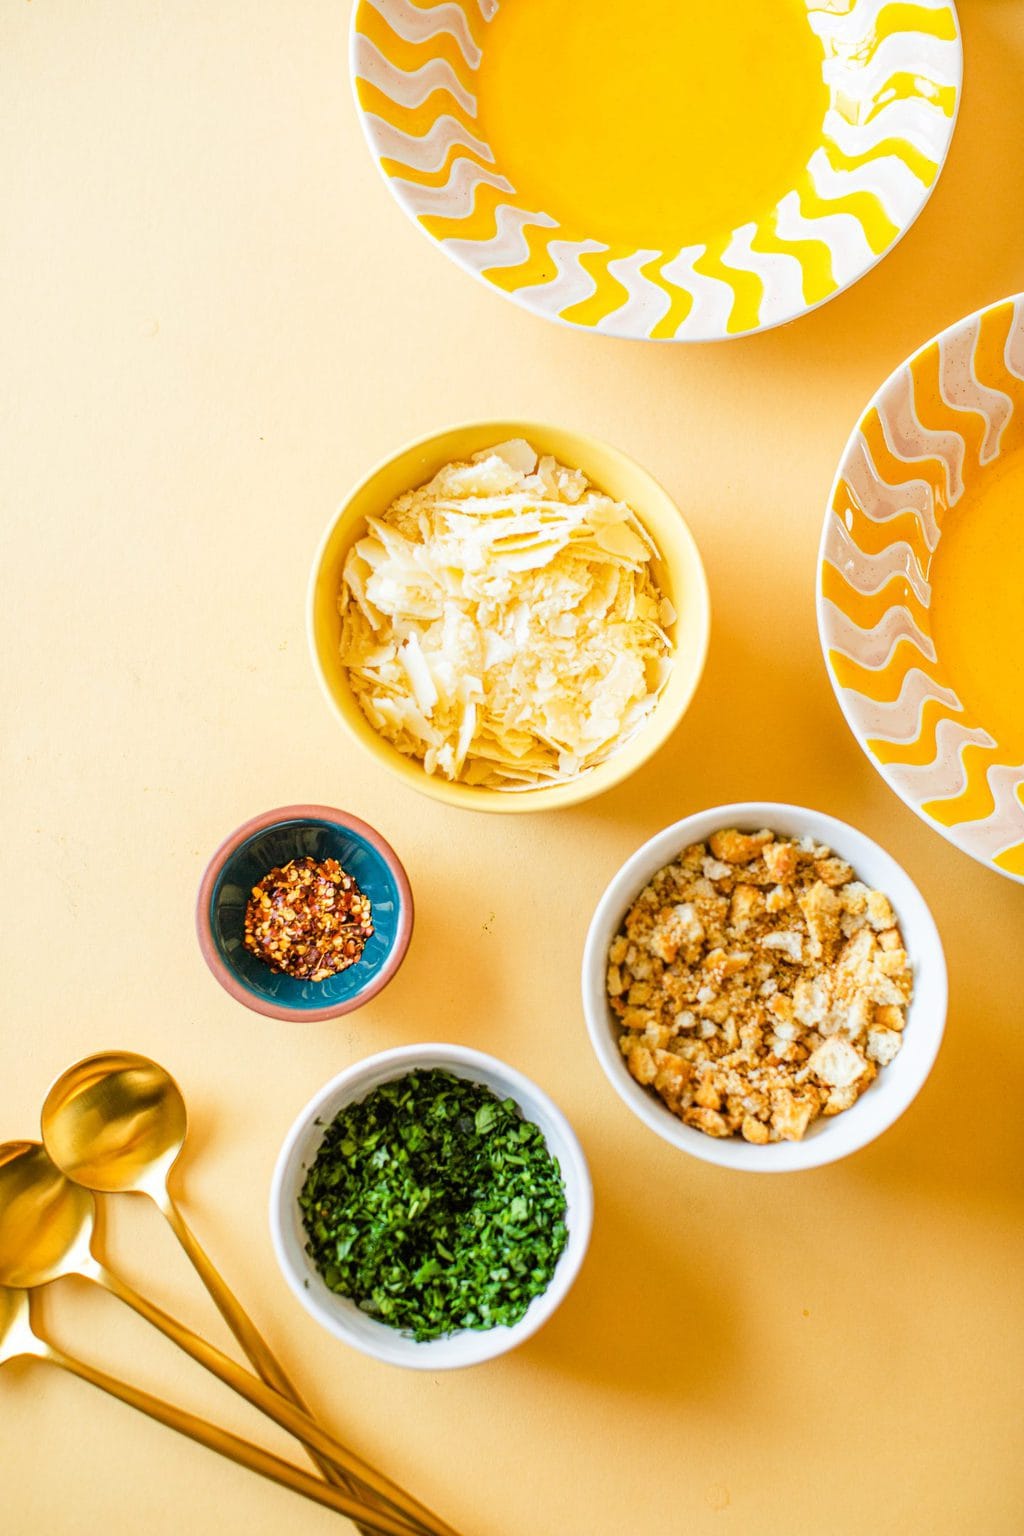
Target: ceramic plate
[666, 169]
[937, 709]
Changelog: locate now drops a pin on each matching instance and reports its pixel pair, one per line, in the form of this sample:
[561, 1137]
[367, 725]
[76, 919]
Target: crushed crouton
[758, 985]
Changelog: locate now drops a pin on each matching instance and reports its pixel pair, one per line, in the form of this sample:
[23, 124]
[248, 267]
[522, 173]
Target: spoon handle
[232, 1446]
[252, 1341]
[275, 1406]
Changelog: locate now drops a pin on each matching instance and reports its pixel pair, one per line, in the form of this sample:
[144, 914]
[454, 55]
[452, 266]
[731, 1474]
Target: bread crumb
[759, 985]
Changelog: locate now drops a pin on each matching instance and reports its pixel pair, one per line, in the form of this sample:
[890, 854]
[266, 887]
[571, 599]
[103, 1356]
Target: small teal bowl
[270, 840]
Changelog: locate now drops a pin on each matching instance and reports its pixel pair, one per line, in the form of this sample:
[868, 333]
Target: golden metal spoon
[46, 1230]
[116, 1123]
[20, 1336]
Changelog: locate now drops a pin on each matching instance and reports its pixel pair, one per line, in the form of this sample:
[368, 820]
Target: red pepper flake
[308, 919]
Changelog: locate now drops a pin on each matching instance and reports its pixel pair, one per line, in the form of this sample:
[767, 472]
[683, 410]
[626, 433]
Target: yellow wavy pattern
[903, 86]
[868, 609]
[747, 287]
[895, 472]
[539, 265]
[815, 257]
[940, 406]
[883, 685]
[480, 223]
[414, 121]
[408, 47]
[874, 538]
[937, 416]
[609, 293]
[976, 801]
[902, 17]
[680, 299]
[924, 169]
[922, 750]
[410, 54]
[434, 178]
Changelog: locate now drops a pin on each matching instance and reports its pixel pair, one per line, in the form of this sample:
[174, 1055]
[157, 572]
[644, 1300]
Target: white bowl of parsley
[431, 1206]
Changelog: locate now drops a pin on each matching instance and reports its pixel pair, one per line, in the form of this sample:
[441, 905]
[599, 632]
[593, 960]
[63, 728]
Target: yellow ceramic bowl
[933, 694]
[663, 170]
[679, 573]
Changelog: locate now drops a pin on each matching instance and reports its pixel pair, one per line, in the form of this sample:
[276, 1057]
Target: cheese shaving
[501, 624]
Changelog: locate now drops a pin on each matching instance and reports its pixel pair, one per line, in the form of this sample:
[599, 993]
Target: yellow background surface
[214, 319]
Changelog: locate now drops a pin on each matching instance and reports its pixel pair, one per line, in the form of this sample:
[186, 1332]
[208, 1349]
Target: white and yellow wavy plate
[942, 724]
[665, 169]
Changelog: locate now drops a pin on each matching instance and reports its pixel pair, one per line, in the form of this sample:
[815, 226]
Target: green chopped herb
[435, 1206]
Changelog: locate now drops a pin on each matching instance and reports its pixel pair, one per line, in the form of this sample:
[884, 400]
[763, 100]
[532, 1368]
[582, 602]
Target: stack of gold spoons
[118, 1123]
[21, 1337]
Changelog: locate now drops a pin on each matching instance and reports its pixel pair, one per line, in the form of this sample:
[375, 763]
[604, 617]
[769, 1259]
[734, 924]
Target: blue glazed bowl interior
[267, 850]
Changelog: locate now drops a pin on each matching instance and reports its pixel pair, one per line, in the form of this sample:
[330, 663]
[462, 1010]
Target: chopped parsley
[435, 1206]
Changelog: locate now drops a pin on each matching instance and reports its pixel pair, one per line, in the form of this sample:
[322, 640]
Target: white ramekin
[342, 1317]
[895, 1086]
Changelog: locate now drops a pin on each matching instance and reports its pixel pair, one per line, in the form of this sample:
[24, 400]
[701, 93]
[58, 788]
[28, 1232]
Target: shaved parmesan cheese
[502, 625]
[516, 453]
[418, 673]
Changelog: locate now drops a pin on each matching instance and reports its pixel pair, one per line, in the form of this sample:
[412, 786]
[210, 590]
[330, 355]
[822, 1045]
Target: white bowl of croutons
[764, 986]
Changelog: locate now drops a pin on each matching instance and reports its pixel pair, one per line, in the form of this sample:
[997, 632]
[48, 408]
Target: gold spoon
[46, 1230]
[116, 1123]
[20, 1336]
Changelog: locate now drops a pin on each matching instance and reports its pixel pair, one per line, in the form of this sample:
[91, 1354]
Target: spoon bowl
[47, 1225]
[116, 1123]
[46, 1222]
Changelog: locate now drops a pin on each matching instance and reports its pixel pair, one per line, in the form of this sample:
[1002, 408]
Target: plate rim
[947, 833]
[517, 297]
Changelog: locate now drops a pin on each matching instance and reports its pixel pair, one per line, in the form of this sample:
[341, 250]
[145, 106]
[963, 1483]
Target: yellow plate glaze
[920, 604]
[668, 169]
[679, 573]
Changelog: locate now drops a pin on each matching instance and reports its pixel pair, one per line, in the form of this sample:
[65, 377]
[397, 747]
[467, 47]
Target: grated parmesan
[501, 624]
